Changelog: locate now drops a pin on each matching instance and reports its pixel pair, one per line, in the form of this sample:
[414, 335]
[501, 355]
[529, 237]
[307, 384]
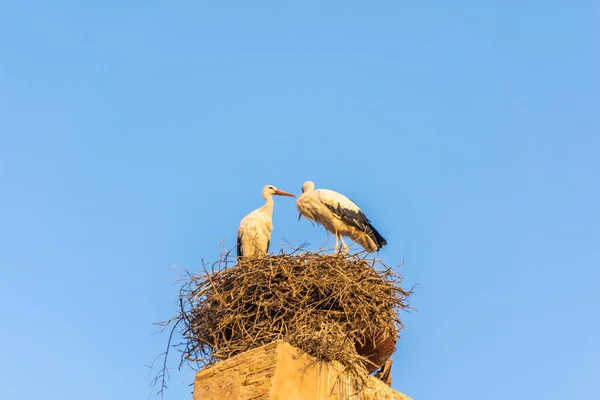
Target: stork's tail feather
[376, 237]
[370, 239]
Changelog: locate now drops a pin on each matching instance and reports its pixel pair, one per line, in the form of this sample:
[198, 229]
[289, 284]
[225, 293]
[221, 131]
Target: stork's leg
[335, 246]
[344, 246]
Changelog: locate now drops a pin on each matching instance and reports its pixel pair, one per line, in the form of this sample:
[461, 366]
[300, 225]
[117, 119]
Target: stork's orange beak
[282, 193]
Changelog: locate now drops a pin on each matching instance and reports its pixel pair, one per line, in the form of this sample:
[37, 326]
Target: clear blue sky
[134, 135]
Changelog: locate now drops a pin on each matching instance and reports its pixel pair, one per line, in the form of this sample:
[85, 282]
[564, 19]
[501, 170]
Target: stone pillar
[279, 371]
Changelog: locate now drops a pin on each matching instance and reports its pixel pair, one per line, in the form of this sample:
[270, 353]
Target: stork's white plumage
[340, 216]
[254, 233]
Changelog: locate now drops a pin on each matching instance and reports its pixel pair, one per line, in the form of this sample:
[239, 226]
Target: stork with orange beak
[254, 233]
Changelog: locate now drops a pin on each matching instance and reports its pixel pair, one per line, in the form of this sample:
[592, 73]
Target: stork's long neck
[268, 207]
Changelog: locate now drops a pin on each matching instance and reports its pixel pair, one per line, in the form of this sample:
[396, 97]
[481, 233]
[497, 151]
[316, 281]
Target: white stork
[254, 233]
[340, 216]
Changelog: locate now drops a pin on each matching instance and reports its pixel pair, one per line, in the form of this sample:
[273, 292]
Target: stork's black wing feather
[240, 252]
[360, 221]
[354, 218]
[380, 240]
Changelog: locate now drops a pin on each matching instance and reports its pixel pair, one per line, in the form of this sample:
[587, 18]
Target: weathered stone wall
[278, 371]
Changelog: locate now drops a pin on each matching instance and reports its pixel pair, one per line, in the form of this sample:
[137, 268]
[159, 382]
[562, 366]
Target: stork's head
[270, 190]
[308, 186]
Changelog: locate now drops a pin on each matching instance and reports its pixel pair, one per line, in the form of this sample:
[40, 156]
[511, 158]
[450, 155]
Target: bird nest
[333, 307]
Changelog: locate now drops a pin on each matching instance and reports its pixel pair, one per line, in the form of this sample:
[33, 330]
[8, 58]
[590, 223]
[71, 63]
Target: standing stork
[340, 216]
[254, 233]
